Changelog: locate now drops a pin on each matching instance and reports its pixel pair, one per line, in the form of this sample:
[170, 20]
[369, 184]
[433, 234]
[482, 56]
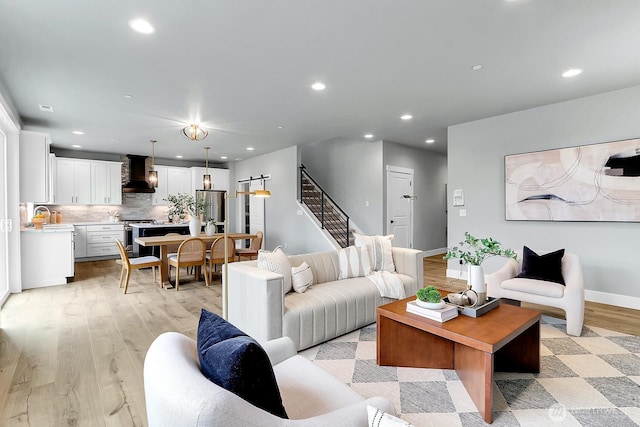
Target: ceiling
[243, 68]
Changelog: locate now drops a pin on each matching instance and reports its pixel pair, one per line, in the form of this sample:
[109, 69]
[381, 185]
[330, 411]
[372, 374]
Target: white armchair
[570, 298]
[178, 394]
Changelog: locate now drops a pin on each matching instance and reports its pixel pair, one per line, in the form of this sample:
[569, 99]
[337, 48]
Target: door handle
[391, 221]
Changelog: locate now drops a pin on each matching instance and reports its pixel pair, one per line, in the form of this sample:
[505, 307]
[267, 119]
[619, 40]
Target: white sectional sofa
[327, 309]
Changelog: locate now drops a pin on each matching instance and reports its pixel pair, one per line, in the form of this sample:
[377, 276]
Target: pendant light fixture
[153, 174]
[194, 132]
[206, 178]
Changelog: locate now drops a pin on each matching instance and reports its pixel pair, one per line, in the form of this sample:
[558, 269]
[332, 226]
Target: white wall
[351, 172]
[609, 251]
[430, 177]
[283, 226]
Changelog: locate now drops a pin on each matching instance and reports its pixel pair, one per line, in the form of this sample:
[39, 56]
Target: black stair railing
[331, 216]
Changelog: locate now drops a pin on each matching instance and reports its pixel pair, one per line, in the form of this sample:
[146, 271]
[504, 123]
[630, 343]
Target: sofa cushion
[301, 277]
[535, 287]
[354, 262]
[276, 262]
[379, 248]
[324, 265]
[546, 267]
[236, 362]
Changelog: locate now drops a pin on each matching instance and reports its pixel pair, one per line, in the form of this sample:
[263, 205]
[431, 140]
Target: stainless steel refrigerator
[215, 205]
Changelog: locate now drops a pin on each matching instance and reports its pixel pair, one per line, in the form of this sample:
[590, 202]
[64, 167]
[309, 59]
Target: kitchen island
[47, 255]
[150, 230]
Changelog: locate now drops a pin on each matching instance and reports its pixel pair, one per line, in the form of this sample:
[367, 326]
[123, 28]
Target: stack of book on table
[440, 315]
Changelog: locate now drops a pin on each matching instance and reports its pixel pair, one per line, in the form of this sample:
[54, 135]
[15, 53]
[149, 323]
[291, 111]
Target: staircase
[331, 217]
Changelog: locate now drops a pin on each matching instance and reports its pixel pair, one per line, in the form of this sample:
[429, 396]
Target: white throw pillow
[276, 262]
[379, 248]
[354, 262]
[301, 277]
[379, 418]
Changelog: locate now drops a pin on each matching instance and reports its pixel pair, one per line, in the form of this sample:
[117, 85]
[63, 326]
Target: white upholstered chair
[177, 394]
[570, 297]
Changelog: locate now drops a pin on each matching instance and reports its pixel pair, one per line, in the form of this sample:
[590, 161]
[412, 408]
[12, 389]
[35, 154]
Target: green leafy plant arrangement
[429, 294]
[474, 251]
[182, 204]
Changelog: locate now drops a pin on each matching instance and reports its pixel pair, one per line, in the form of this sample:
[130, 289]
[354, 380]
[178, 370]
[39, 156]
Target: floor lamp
[225, 284]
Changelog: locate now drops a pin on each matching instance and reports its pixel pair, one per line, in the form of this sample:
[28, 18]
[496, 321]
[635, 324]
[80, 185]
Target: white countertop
[52, 228]
[98, 223]
[168, 224]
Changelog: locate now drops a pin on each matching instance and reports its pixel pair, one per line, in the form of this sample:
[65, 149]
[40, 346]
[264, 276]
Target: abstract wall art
[597, 182]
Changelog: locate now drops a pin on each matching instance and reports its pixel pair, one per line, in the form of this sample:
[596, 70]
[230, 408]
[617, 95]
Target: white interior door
[5, 223]
[400, 206]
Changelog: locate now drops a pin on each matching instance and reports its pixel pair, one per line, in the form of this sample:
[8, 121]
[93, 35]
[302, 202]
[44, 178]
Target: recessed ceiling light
[178, 157]
[77, 132]
[368, 135]
[406, 117]
[280, 127]
[238, 158]
[141, 26]
[318, 86]
[250, 148]
[223, 157]
[430, 141]
[476, 67]
[572, 72]
[76, 146]
[127, 96]
[47, 108]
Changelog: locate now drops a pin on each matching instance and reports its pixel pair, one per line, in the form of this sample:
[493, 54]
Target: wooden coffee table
[506, 339]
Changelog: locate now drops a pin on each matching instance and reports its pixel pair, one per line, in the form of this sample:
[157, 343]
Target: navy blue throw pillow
[235, 361]
[546, 267]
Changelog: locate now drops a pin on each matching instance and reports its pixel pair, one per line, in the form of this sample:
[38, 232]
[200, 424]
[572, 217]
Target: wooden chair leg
[126, 284]
[177, 278]
[207, 279]
[121, 276]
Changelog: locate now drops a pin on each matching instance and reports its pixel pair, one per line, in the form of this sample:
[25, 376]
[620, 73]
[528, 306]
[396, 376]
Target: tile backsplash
[134, 206]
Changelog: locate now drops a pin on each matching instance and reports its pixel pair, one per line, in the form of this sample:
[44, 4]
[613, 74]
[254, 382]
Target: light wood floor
[73, 355]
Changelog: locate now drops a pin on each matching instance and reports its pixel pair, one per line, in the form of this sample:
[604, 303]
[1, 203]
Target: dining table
[174, 239]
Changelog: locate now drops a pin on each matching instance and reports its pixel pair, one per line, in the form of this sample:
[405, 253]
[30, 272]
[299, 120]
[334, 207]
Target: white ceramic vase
[210, 229]
[194, 226]
[476, 280]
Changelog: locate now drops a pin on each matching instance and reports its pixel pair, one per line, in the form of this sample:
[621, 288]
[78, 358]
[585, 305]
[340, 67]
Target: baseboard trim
[592, 296]
[433, 252]
[612, 299]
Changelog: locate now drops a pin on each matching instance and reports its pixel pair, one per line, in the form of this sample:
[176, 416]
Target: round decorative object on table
[194, 226]
[430, 305]
[38, 222]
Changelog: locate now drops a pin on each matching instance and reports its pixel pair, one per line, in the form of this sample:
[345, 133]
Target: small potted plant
[429, 297]
[474, 251]
[210, 227]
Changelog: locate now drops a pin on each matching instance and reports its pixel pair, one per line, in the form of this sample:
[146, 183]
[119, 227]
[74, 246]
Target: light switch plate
[463, 212]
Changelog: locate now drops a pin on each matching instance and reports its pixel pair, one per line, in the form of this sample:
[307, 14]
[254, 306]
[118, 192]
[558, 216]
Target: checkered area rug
[591, 380]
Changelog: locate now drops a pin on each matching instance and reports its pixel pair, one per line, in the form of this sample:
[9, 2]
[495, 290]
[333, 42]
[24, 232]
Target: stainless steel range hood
[137, 176]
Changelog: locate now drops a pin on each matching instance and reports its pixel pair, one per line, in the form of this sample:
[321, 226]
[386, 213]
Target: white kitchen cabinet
[73, 182]
[171, 180]
[97, 241]
[46, 257]
[161, 191]
[219, 179]
[101, 239]
[35, 167]
[179, 181]
[106, 183]
[80, 246]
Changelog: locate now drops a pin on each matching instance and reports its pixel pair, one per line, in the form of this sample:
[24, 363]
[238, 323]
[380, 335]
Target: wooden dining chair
[129, 264]
[216, 254]
[191, 253]
[252, 250]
